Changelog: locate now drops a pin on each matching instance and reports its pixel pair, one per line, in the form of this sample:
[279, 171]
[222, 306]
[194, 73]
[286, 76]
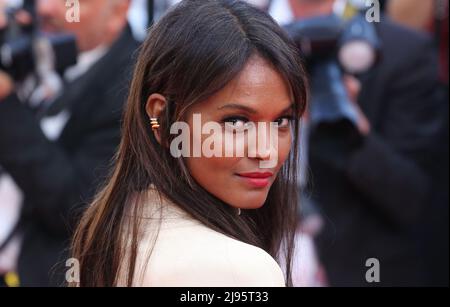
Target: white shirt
[186, 253]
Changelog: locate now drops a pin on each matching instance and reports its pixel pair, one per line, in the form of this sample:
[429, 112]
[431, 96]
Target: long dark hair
[197, 48]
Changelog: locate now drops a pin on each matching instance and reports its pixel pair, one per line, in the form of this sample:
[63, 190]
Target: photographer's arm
[391, 166]
[59, 182]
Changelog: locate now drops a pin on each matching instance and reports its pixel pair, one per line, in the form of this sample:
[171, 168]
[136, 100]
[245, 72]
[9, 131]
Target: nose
[266, 148]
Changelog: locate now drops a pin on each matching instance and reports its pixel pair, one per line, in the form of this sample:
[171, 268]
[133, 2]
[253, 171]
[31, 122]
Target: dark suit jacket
[373, 192]
[59, 178]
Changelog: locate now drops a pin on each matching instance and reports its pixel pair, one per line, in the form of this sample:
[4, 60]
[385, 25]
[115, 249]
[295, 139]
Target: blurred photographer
[56, 151]
[375, 165]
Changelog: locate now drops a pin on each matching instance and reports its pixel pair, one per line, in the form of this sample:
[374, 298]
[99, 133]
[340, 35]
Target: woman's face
[258, 95]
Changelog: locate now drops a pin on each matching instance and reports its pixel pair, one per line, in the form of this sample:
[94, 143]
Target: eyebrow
[249, 110]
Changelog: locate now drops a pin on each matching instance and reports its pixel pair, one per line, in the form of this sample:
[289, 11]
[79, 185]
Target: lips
[257, 179]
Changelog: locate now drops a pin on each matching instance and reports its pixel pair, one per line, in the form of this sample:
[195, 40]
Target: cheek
[215, 175]
[93, 22]
[210, 167]
[210, 172]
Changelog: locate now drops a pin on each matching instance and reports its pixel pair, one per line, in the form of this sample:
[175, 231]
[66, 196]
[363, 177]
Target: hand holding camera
[26, 51]
[6, 86]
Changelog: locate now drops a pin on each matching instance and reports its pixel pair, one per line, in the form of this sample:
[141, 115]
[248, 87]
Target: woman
[168, 221]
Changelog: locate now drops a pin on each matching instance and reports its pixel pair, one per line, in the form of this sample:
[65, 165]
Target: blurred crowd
[374, 193]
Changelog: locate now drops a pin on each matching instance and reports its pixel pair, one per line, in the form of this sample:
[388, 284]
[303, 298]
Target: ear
[156, 104]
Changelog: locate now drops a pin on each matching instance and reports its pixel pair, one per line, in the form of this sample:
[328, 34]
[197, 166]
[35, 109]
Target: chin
[253, 199]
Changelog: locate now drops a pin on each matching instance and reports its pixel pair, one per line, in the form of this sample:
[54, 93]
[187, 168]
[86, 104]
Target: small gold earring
[155, 124]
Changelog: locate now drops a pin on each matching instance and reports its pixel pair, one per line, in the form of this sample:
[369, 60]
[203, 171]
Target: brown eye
[283, 122]
[235, 123]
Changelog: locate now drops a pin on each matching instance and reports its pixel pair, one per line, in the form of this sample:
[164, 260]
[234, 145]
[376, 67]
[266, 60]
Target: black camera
[332, 47]
[24, 49]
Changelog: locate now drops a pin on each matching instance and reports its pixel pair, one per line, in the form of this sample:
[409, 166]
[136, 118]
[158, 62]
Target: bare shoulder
[197, 256]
